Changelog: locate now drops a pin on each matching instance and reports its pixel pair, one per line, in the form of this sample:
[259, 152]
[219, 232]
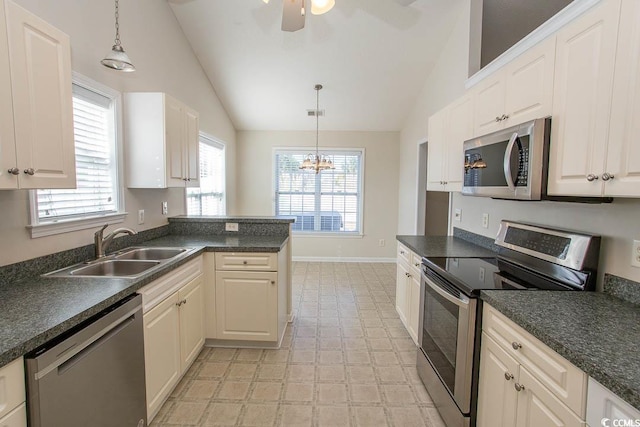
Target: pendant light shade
[316, 162]
[117, 58]
[318, 7]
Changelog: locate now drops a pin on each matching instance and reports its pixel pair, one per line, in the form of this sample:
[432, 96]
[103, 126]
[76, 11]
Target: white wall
[256, 197]
[443, 85]
[165, 62]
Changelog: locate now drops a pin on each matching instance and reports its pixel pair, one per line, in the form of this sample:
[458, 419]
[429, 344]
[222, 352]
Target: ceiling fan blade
[405, 2]
[292, 17]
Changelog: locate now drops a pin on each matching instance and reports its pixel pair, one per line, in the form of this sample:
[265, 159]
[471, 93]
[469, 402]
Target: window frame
[206, 138]
[59, 226]
[329, 151]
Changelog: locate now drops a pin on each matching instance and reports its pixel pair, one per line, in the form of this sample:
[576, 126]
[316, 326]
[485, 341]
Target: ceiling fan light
[318, 7]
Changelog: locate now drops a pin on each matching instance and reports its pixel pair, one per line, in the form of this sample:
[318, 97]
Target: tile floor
[346, 360]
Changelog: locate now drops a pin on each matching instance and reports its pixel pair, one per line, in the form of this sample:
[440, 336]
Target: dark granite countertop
[35, 310]
[595, 331]
[443, 246]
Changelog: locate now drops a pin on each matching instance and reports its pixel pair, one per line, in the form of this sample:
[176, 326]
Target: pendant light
[318, 7]
[316, 162]
[117, 59]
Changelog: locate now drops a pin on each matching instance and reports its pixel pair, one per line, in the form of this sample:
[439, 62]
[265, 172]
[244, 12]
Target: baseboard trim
[342, 259]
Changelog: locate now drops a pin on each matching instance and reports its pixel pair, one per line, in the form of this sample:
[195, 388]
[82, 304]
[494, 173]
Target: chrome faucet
[102, 243]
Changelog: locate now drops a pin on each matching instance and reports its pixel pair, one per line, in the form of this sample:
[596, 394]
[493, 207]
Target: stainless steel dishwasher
[92, 375]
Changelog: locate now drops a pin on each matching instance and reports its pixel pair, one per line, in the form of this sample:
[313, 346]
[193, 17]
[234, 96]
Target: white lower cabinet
[408, 290]
[523, 383]
[12, 395]
[603, 404]
[173, 330]
[15, 418]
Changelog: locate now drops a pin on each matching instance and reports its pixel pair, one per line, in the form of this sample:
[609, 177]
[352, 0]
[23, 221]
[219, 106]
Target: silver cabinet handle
[273, 282]
[498, 119]
[516, 345]
[179, 303]
[14, 171]
[518, 387]
[30, 171]
[508, 376]
[407, 274]
[591, 177]
[401, 252]
[416, 264]
[607, 176]
[504, 117]
[244, 262]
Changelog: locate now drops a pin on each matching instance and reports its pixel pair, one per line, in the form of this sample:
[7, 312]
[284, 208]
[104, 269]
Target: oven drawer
[561, 377]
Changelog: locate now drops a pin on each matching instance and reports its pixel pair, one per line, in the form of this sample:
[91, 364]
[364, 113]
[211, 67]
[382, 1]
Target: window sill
[328, 234]
[67, 226]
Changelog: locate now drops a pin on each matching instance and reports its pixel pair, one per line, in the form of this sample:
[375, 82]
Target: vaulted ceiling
[372, 56]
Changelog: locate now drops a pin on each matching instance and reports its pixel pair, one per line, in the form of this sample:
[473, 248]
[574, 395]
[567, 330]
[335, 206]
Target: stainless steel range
[530, 258]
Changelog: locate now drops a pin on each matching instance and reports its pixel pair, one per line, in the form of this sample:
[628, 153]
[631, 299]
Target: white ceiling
[372, 56]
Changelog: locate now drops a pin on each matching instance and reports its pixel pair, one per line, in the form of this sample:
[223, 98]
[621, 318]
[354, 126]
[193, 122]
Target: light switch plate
[165, 208]
[141, 216]
[231, 226]
[457, 215]
[485, 220]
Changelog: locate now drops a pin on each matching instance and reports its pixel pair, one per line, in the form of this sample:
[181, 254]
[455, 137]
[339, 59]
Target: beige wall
[165, 62]
[443, 85]
[256, 197]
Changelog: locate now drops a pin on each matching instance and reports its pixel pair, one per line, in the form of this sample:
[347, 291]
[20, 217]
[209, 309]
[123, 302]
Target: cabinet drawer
[404, 253]
[16, 418]
[158, 290]
[416, 263]
[562, 378]
[11, 386]
[246, 261]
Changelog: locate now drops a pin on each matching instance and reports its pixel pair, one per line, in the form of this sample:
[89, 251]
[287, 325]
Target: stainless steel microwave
[510, 163]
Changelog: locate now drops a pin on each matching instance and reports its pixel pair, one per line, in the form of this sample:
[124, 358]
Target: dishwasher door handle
[94, 340]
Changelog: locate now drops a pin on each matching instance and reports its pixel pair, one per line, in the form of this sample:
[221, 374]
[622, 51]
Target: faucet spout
[102, 243]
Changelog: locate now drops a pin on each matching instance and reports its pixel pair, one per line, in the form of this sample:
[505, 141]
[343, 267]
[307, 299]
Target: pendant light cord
[117, 41]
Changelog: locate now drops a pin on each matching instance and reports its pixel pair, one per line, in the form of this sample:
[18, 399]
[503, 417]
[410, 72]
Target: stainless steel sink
[114, 267]
[151, 253]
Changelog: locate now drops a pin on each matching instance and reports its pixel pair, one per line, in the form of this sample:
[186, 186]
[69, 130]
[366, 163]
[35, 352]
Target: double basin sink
[130, 262]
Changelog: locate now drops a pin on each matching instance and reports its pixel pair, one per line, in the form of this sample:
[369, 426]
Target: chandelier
[316, 162]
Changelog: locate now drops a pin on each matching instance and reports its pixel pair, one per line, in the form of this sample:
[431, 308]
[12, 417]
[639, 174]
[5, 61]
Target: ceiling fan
[294, 11]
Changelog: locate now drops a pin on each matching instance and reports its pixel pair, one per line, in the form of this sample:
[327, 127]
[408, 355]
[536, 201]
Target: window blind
[330, 201]
[209, 199]
[96, 169]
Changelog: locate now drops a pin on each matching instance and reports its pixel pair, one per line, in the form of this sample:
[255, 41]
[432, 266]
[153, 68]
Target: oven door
[448, 335]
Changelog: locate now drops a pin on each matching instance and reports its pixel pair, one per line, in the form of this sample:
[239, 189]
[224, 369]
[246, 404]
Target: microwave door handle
[462, 302]
[507, 162]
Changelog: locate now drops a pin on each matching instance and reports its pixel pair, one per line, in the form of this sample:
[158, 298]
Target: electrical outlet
[635, 254]
[457, 215]
[165, 208]
[381, 242]
[485, 220]
[481, 274]
[141, 216]
[231, 226]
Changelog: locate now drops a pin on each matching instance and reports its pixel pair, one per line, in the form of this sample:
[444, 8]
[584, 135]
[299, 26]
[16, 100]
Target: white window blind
[96, 168]
[209, 199]
[327, 202]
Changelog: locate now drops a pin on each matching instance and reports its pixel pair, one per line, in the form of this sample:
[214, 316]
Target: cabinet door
[496, 393]
[529, 92]
[538, 407]
[191, 321]
[489, 104]
[16, 418]
[40, 62]
[585, 55]
[247, 305]
[459, 129]
[436, 151]
[175, 140]
[7, 138]
[402, 290]
[413, 306]
[623, 155]
[161, 352]
[192, 147]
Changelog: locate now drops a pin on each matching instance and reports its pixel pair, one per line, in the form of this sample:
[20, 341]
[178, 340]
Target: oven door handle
[462, 302]
[507, 161]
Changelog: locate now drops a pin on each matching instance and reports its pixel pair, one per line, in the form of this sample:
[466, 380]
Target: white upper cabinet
[623, 153]
[519, 92]
[584, 71]
[36, 141]
[162, 137]
[448, 129]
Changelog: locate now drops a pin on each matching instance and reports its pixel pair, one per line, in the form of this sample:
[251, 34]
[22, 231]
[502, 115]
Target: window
[327, 202]
[209, 199]
[98, 193]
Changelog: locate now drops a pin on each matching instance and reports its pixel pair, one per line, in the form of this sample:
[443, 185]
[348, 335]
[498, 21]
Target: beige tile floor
[346, 360]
